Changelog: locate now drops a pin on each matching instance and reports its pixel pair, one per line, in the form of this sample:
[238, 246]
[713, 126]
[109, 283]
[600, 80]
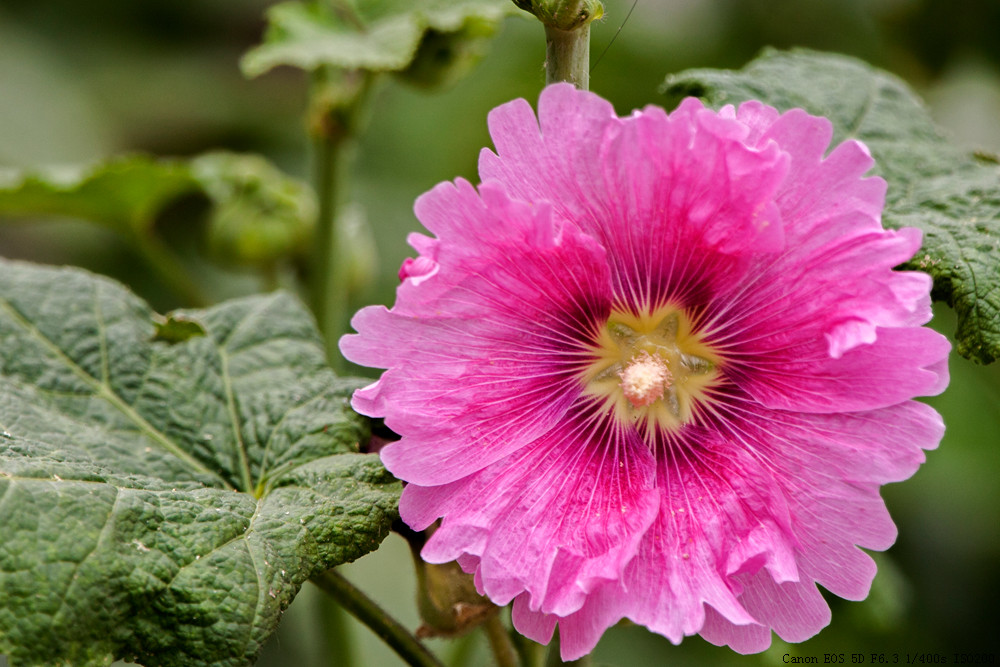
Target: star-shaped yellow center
[651, 369]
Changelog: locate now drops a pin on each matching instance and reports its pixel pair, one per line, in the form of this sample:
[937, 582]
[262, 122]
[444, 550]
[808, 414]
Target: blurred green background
[79, 81]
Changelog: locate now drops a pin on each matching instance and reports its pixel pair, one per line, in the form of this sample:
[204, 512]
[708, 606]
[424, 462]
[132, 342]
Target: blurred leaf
[163, 502]
[259, 214]
[442, 58]
[953, 196]
[382, 36]
[124, 193]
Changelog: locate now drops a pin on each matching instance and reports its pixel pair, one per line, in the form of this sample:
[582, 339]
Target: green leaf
[380, 36]
[162, 501]
[259, 215]
[953, 196]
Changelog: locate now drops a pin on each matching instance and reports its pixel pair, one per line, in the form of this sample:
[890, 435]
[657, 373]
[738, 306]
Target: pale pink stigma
[645, 379]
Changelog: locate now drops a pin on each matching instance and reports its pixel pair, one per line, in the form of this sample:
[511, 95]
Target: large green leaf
[953, 196]
[258, 216]
[378, 36]
[167, 484]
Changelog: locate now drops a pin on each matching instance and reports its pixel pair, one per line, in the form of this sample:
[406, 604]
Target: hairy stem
[500, 643]
[567, 55]
[388, 629]
[532, 653]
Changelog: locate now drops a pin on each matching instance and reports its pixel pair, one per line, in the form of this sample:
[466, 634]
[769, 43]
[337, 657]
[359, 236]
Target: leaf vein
[866, 109]
[97, 544]
[102, 336]
[105, 391]
[260, 584]
[241, 452]
[277, 427]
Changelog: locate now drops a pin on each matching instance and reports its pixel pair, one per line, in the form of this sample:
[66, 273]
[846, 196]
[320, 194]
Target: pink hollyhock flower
[656, 368]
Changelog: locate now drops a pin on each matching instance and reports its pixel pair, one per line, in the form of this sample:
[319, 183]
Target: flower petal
[455, 342]
[899, 364]
[795, 610]
[680, 183]
[553, 519]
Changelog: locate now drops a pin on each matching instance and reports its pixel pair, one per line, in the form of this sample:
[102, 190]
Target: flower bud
[448, 602]
[444, 57]
[565, 15]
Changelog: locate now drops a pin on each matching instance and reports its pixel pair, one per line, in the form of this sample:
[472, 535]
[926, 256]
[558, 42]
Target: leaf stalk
[387, 628]
[168, 267]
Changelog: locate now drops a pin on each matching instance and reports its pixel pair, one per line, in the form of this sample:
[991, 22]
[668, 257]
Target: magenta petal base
[656, 367]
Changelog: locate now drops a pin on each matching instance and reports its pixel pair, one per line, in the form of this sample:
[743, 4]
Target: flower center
[644, 379]
[651, 369]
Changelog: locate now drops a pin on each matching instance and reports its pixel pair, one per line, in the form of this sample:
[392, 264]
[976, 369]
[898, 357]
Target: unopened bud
[565, 15]
[448, 602]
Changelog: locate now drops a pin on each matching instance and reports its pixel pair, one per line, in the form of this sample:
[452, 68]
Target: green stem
[328, 294]
[336, 635]
[460, 650]
[567, 55]
[270, 277]
[388, 629]
[338, 107]
[169, 269]
[500, 643]
[532, 653]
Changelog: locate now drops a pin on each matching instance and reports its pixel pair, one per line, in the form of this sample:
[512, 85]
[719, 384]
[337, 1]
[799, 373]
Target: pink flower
[656, 368]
